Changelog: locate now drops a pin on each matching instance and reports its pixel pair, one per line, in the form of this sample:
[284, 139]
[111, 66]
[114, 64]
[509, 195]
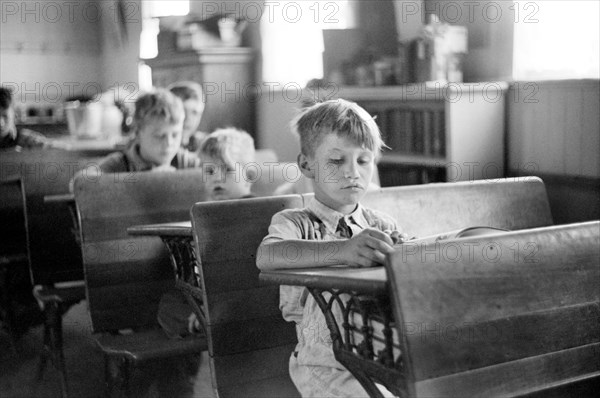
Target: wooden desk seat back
[125, 275]
[55, 254]
[428, 209]
[517, 314]
[248, 340]
[13, 233]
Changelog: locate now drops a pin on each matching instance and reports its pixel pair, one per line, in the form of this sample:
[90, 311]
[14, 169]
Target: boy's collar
[331, 218]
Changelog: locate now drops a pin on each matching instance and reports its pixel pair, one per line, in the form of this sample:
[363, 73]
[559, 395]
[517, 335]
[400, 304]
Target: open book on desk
[458, 233]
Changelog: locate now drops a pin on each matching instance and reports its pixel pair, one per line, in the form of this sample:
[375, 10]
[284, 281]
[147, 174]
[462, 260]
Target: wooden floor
[84, 365]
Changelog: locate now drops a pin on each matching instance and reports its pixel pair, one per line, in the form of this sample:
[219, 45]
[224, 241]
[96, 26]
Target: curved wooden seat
[125, 275]
[249, 343]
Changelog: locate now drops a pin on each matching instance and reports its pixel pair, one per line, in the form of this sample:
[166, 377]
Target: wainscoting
[553, 131]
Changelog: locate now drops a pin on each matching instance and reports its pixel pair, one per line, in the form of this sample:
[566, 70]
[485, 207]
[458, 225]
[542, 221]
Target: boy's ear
[306, 167]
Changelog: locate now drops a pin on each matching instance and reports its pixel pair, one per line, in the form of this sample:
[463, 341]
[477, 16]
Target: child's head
[339, 144]
[225, 155]
[193, 102]
[158, 121]
[7, 113]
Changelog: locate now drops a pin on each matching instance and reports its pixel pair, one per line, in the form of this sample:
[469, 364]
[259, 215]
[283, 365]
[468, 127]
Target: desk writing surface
[67, 198]
[363, 280]
[181, 228]
[101, 146]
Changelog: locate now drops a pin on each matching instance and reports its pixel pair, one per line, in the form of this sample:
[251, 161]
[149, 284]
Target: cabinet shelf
[413, 160]
[452, 132]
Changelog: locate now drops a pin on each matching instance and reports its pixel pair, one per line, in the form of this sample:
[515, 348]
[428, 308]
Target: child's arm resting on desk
[365, 249]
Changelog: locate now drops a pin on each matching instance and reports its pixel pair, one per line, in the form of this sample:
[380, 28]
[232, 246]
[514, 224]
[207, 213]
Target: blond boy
[158, 125]
[339, 144]
[228, 164]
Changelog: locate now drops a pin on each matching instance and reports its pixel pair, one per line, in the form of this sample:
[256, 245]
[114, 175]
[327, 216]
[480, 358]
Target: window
[165, 8]
[292, 39]
[151, 11]
[556, 40]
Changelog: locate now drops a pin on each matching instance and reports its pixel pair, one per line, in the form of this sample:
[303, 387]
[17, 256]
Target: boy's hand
[397, 236]
[367, 248]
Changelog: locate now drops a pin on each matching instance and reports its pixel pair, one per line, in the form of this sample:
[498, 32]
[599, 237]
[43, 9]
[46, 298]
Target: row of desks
[370, 286]
[366, 280]
[178, 237]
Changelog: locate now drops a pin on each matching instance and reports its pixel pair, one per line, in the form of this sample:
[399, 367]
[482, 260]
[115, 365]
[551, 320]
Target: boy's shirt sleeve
[285, 225]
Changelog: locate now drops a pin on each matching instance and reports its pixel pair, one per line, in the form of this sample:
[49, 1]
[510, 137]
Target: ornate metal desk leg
[368, 365]
[342, 347]
[185, 265]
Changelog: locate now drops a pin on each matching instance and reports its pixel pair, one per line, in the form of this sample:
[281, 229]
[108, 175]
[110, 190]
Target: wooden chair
[14, 257]
[125, 276]
[55, 253]
[55, 257]
[516, 315]
[54, 301]
[249, 343]
[55, 264]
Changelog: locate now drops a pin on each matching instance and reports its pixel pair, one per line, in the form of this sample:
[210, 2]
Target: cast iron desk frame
[179, 240]
[369, 298]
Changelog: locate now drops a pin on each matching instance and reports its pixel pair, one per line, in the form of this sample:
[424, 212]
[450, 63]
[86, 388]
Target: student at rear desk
[10, 137]
[193, 103]
[158, 124]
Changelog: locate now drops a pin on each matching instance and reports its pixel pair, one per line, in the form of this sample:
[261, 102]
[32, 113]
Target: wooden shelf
[414, 160]
[451, 132]
[419, 91]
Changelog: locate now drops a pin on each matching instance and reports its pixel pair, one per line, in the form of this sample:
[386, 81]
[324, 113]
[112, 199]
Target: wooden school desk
[510, 314]
[179, 240]
[354, 346]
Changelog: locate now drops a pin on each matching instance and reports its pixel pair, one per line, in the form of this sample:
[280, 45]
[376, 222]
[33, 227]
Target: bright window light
[165, 8]
[144, 77]
[149, 38]
[556, 39]
[151, 11]
[292, 38]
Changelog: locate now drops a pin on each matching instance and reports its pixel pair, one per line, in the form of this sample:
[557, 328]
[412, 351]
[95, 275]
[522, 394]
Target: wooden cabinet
[227, 75]
[452, 132]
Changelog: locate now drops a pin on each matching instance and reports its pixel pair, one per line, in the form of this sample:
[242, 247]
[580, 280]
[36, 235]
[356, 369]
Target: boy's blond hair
[343, 118]
[159, 105]
[229, 145]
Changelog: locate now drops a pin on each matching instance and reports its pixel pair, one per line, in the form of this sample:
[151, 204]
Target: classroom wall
[53, 50]
[120, 46]
[554, 125]
[553, 131]
[49, 49]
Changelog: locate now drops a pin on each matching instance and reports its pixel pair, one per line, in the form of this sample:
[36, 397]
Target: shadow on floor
[85, 365]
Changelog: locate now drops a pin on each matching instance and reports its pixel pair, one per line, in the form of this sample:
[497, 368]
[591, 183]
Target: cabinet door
[162, 77]
[230, 101]
[227, 76]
